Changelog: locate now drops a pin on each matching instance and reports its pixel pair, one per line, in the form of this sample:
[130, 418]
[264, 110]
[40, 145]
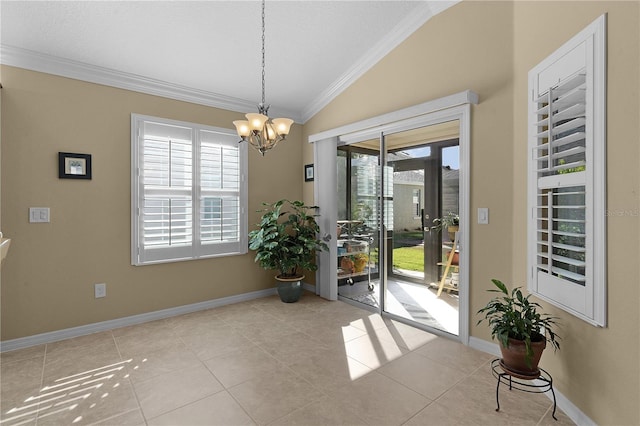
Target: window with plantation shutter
[566, 231]
[189, 191]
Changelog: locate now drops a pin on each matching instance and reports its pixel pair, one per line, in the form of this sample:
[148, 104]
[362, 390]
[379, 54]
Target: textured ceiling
[314, 49]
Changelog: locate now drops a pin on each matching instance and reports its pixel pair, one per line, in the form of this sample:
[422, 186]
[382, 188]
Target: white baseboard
[562, 402]
[54, 336]
[484, 346]
[309, 287]
[573, 412]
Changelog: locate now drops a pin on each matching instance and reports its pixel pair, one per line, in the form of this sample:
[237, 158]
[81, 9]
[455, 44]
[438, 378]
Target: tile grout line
[295, 374]
[133, 388]
[44, 363]
[224, 388]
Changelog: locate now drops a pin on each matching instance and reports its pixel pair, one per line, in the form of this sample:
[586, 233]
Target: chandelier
[258, 129]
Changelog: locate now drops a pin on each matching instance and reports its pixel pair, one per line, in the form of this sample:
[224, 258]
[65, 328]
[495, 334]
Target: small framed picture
[74, 166]
[308, 172]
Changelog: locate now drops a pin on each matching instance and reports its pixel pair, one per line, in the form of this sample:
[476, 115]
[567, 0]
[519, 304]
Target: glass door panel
[390, 190]
[358, 223]
[423, 187]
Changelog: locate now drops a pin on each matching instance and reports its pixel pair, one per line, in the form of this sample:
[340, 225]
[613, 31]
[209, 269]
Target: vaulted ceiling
[209, 52]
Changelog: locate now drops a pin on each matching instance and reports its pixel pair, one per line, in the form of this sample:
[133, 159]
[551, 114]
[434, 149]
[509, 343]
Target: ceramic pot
[455, 279]
[290, 289]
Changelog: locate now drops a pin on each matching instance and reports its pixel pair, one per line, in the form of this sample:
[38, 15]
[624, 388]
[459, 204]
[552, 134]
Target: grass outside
[414, 235]
[409, 258]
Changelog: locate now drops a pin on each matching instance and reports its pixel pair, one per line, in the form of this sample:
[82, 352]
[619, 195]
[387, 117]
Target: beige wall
[489, 47]
[48, 277]
[470, 46]
[598, 369]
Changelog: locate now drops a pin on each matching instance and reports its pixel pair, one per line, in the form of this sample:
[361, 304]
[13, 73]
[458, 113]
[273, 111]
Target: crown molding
[400, 33]
[41, 62]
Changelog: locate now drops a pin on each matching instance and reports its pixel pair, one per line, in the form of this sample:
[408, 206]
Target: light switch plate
[39, 214]
[483, 216]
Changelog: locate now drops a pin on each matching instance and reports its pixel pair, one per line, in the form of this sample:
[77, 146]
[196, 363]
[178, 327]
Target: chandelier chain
[263, 4]
[259, 130]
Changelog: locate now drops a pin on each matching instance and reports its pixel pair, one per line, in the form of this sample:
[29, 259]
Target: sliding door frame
[450, 108]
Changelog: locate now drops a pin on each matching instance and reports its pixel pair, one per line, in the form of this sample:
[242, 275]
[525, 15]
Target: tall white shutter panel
[167, 203]
[220, 196]
[561, 202]
[566, 231]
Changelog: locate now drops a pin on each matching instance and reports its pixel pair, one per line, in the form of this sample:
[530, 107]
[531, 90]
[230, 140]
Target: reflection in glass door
[418, 183]
[358, 224]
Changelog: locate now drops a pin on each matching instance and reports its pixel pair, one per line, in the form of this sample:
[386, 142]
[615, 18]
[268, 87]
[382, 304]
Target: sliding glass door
[423, 166]
[390, 190]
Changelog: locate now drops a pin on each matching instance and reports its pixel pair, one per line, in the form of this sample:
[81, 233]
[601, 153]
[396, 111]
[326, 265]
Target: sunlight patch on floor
[444, 313]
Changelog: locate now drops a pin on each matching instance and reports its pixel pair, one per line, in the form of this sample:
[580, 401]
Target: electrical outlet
[100, 290]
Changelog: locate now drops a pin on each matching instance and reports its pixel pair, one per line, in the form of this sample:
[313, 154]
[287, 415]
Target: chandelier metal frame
[258, 129]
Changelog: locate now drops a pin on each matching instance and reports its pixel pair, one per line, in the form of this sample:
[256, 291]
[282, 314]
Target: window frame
[587, 302]
[417, 206]
[194, 250]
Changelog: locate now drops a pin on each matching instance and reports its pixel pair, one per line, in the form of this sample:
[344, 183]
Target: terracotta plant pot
[456, 257]
[513, 358]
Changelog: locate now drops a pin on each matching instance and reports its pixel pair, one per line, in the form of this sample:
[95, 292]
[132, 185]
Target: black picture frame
[308, 172]
[74, 166]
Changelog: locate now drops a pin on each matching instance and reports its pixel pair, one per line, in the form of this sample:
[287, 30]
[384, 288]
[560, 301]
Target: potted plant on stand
[522, 331]
[286, 240]
[450, 222]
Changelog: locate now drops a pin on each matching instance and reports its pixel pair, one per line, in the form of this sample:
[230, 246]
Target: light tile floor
[261, 362]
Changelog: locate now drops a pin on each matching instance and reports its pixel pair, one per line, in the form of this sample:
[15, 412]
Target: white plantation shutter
[560, 151]
[188, 191]
[220, 195]
[566, 233]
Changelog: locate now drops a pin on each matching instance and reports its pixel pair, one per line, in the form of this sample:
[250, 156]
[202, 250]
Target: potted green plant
[522, 331]
[286, 240]
[450, 222]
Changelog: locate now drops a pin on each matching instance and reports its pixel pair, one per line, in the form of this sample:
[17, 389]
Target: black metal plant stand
[522, 383]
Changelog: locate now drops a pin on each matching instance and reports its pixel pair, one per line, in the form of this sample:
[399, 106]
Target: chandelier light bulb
[282, 125]
[256, 121]
[242, 127]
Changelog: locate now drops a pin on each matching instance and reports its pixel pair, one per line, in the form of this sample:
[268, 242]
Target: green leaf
[286, 238]
[500, 285]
